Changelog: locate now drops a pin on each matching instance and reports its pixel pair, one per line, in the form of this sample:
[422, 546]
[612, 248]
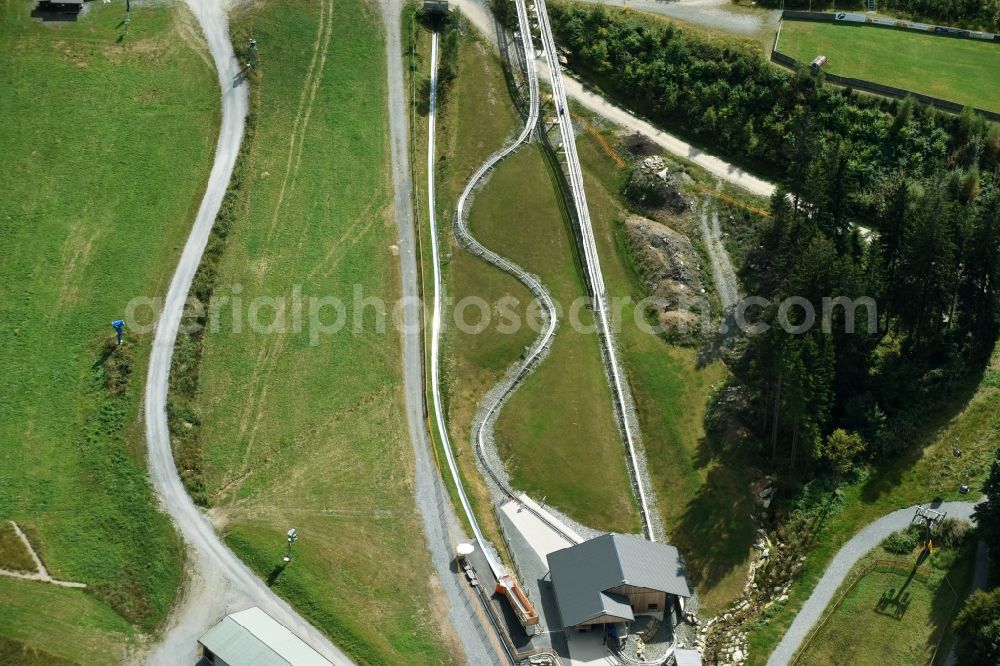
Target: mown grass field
[313, 436]
[932, 472]
[107, 141]
[960, 70]
[905, 631]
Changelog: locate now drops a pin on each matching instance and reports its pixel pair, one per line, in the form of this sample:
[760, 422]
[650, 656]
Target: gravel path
[715, 14]
[481, 18]
[727, 286]
[441, 527]
[41, 573]
[852, 551]
[218, 582]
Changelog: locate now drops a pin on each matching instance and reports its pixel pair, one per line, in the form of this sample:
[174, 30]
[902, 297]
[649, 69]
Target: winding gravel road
[872, 535]
[218, 581]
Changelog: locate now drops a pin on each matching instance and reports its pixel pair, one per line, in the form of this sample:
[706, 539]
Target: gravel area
[715, 14]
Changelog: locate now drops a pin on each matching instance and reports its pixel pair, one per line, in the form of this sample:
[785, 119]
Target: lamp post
[292, 536]
[252, 51]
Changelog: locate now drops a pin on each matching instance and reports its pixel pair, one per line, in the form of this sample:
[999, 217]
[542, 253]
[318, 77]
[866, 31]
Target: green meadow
[959, 70]
[306, 429]
[107, 138]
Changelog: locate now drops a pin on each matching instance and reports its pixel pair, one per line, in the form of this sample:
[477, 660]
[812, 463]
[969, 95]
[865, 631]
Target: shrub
[977, 629]
[901, 543]
[842, 448]
[644, 189]
[951, 533]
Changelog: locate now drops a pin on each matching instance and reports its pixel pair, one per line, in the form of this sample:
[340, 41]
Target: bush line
[183, 416]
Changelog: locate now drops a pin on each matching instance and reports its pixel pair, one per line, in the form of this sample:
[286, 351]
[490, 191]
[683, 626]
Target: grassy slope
[108, 146]
[466, 136]
[953, 69]
[697, 493]
[859, 634]
[519, 214]
[701, 498]
[314, 436]
[14, 555]
[558, 430]
[930, 473]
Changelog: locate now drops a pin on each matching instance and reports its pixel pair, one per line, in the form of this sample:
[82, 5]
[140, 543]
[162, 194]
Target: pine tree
[987, 513]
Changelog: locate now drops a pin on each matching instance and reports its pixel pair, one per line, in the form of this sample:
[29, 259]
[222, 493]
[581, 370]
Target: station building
[614, 578]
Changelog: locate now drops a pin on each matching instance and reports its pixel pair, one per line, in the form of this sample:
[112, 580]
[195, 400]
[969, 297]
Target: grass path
[960, 70]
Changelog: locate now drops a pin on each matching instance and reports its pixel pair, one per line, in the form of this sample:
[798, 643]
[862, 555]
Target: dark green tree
[987, 513]
[977, 629]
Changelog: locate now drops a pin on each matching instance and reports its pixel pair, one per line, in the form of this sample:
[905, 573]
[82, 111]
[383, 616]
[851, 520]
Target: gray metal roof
[615, 605]
[581, 575]
[253, 638]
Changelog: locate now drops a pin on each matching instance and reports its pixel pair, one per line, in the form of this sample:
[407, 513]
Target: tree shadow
[272, 577]
[890, 475]
[50, 12]
[948, 597]
[423, 101]
[716, 530]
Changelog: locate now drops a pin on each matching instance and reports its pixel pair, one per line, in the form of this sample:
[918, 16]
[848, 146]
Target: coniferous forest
[881, 199]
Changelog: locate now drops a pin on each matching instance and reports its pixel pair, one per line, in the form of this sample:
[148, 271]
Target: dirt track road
[218, 582]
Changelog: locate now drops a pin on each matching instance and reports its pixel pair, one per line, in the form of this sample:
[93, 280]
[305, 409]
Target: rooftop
[254, 638]
[583, 574]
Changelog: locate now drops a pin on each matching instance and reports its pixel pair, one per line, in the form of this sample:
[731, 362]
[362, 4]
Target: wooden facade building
[615, 577]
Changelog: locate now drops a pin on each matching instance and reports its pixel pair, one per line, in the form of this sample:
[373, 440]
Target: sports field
[107, 141]
[960, 70]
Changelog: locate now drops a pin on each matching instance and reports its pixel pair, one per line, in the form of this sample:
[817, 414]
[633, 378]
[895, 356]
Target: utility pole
[292, 536]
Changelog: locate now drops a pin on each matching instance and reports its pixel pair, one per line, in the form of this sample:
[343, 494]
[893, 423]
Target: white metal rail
[592, 264]
[498, 569]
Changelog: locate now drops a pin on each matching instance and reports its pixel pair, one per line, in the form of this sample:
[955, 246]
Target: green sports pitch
[966, 71]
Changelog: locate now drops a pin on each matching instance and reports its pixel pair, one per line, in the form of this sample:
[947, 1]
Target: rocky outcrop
[669, 266]
[653, 188]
